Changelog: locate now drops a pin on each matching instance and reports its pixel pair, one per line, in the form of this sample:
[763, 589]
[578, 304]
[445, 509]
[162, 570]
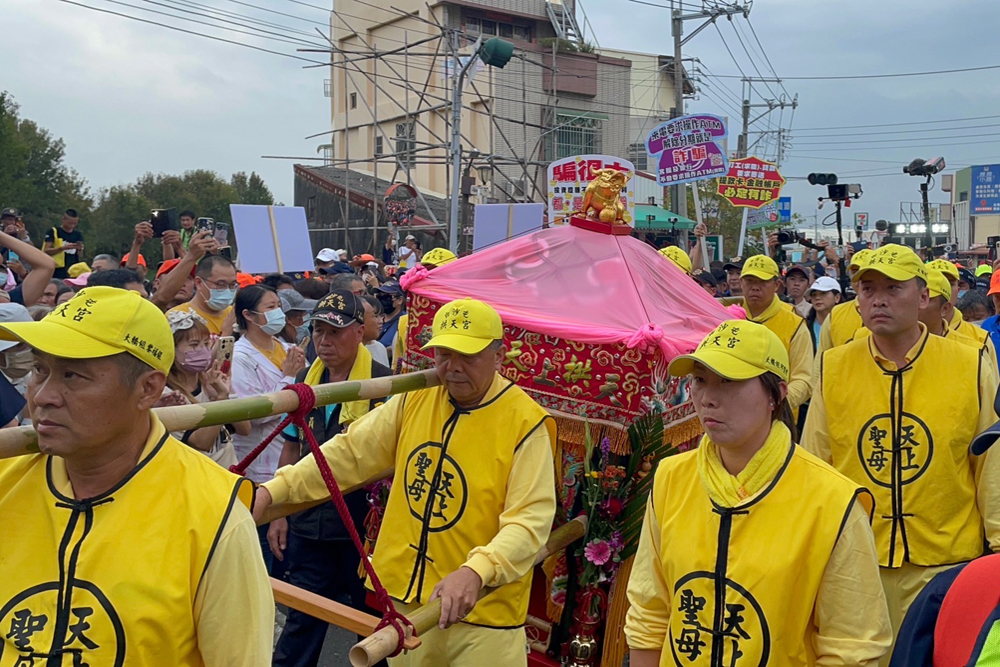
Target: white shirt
[379, 353]
[254, 374]
[405, 253]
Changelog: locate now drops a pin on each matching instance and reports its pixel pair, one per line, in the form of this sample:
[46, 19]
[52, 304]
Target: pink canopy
[584, 286]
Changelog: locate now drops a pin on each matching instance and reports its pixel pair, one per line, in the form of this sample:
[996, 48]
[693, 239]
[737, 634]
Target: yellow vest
[136, 556]
[782, 319]
[399, 342]
[845, 320]
[742, 582]
[437, 513]
[905, 435]
[959, 324]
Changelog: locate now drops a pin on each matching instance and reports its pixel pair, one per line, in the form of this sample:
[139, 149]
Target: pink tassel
[737, 311]
[417, 273]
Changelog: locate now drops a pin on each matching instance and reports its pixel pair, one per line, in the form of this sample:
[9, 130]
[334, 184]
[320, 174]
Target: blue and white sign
[985, 197]
[785, 210]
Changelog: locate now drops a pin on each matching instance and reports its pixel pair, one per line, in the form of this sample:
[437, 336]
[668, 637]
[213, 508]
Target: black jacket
[322, 522]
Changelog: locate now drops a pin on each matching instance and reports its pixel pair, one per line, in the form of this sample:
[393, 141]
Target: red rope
[307, 401]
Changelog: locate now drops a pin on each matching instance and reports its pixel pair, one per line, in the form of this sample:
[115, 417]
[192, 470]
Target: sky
[129, 97]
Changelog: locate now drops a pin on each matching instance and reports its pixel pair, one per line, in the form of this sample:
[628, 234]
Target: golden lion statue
[602, 199]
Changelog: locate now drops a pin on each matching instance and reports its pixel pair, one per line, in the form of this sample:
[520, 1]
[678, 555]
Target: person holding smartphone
[64, 243]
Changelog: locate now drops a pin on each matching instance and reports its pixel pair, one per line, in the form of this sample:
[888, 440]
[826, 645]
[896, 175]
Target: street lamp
[495, 53]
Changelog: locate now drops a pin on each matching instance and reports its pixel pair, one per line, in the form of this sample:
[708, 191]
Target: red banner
[751, 183]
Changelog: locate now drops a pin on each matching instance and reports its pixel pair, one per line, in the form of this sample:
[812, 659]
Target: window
[311, 209]
[472, 26]
[506, 30]
[327, 155]
[522, 33]
[488, 27]
[326, 88]
[406, 144]
[637, 155]
[379, 148]
[354, 100]
[477, 25]
[575, 133]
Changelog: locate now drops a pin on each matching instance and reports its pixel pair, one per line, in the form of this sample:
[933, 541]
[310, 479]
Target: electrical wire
[753, 62]
[878, 76]
[189, 32]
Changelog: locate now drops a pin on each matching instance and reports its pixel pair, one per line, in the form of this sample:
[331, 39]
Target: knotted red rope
[307, 401]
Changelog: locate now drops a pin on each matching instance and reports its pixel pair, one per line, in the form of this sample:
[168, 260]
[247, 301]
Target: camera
[786, 236]
[921, 167]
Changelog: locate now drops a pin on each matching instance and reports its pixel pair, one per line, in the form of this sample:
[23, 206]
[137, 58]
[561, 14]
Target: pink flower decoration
[598, 552]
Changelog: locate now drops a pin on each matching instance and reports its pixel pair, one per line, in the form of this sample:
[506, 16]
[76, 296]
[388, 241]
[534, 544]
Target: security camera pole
[838, 194]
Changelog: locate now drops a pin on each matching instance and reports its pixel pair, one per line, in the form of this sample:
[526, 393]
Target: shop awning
[656, 217]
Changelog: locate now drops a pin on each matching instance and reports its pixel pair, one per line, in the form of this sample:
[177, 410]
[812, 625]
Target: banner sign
[751, 182]
[569, 178]
[785, 210]
[986, 189]
[688, 149]
[762, 217]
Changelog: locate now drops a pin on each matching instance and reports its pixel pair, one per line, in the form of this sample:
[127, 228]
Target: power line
[753, 63]
[920, 122]
[878, 76]
[892, 141]
[190, 32]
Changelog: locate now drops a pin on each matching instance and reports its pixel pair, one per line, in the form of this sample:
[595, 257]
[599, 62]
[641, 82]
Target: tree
[33, 177]
[252, 189]
[203, 191]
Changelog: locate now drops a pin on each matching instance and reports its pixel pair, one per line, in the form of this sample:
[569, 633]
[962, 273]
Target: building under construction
[391, 85]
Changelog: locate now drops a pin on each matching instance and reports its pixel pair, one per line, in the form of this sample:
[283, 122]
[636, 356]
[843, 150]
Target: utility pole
[769, 105]
[678, 193]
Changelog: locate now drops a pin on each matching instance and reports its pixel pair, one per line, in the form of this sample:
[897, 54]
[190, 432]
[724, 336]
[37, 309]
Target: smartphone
[163, 219]
[204, 224]
[304, 345]
[224, 353]
[13, 257]
[227, 252]
[222, 233]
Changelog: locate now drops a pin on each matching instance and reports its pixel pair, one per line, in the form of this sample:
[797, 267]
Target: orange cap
[246, 279]
[168, 266]
[995, 283]
[141, 261]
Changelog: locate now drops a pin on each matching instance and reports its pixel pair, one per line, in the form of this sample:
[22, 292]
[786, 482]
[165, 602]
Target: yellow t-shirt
[213, 318]
[276, 355]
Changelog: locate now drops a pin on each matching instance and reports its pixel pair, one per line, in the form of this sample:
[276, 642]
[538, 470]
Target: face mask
[3, 278]
[196, 361]
[961, 293]
[275, 322]
[18, 363]
[301, 333]
[220, 299]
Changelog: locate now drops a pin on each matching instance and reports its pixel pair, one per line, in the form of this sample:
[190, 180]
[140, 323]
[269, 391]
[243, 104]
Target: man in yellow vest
[473, 498]
[954, 316]
[845, 319]
[120, 545]
[759, 281]
[896, 411]
[939, 308]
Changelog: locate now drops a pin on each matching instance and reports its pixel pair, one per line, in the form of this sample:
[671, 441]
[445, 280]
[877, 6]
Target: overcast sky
[128, 97]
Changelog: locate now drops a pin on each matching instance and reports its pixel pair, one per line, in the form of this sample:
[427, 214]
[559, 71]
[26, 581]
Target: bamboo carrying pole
[24, 440]
[382, 643]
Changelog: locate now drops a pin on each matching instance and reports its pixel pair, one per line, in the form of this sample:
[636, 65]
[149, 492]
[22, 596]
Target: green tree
[33, 176]
[251, 189]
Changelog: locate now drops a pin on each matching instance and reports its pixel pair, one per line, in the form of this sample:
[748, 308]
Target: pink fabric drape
[582, 286]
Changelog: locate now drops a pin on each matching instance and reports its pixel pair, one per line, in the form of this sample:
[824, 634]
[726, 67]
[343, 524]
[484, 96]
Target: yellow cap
[983, 270]
[678, 257]
[736, 350]
[760, 266]
[437, 257]
[466, 326]
[860, 259]
[937, 284]
[897, 262]
[100, 322]
[78, 270]
[949, 270]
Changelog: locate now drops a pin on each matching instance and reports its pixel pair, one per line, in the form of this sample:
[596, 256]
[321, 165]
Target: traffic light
[496, 52]
[822, 179]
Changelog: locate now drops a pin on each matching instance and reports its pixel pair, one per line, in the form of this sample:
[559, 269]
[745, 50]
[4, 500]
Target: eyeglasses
[221, 284]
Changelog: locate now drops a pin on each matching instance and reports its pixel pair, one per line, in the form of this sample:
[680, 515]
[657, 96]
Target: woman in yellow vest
[752, 551]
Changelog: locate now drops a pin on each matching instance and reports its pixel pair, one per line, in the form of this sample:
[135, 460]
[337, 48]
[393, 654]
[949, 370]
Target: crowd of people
[846, 548]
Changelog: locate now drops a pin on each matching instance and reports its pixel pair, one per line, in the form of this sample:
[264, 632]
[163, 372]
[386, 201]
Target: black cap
[797, 268]
[982, 283]
[71, 212]
[335, 268]
[734, 263]
[340, 308]
[9, 212]
[705, 277]
[967, 276]
[391, 287]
